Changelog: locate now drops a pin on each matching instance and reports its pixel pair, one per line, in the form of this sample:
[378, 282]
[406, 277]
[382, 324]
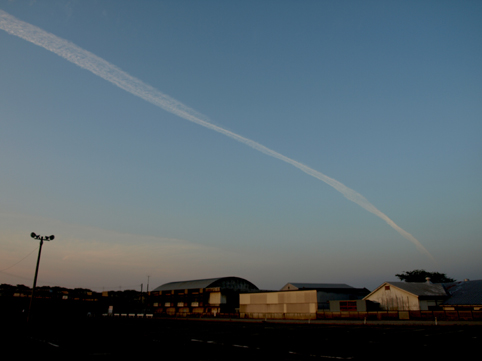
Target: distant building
[279, 305]
[204, 296]
[464, 295]
[297, 300]
[352, 306]
[408, 296]
[326, 292]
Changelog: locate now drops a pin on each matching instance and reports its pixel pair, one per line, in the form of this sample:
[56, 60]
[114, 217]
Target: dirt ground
[107, 339]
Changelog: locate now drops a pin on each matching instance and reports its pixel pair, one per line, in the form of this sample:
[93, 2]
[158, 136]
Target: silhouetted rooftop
[235, 283]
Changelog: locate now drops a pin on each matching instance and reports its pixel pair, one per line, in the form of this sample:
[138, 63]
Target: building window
[348, 306]
[387, 288]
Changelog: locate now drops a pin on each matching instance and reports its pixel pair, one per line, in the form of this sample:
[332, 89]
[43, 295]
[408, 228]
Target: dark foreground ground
[112, 339]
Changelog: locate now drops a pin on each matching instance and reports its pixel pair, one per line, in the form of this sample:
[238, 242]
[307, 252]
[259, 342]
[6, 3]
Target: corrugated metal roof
[223, 282]
[464, 293]
[421, 289]
[317, 285]
[186, 285]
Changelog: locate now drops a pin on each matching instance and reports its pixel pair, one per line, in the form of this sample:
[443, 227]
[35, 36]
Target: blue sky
[382, 96]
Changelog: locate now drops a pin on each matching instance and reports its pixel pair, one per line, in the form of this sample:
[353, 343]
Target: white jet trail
[113, 74]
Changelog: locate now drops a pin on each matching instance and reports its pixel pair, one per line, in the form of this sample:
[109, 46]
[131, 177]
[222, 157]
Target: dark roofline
[313, 286]
[203, 283]
[422, 290]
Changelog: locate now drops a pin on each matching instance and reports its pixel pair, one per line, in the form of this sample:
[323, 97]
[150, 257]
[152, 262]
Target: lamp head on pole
[42, 238]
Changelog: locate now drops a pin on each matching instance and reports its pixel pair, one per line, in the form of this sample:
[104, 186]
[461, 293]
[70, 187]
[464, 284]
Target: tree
[420, 275]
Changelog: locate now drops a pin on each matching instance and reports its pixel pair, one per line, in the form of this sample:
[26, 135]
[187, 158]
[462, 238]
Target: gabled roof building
[405, 296]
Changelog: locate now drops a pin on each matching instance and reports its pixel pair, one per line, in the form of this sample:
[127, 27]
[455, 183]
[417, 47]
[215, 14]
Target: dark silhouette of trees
[420, 275]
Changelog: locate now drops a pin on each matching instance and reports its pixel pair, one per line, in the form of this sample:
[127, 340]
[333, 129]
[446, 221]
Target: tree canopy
[420, 275]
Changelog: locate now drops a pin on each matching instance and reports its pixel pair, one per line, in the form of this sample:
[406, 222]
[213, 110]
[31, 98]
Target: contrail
[116, 76]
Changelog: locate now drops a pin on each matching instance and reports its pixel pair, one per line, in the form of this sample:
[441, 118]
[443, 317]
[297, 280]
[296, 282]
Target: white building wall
[395, 299]
[291, 304]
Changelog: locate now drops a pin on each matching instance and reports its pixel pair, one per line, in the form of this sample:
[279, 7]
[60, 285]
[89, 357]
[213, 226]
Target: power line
[19, 261]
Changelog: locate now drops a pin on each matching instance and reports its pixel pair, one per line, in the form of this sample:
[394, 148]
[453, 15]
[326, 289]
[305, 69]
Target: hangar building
[204, 296]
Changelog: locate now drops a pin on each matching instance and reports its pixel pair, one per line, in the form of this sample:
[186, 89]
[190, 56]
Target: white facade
[394, 299]
[406, 296]
[280, 305]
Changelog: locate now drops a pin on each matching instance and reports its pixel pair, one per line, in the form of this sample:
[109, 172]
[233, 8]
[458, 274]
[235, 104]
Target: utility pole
[42, 239]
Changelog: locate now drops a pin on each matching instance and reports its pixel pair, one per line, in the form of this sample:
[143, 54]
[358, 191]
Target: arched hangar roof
[232, 283]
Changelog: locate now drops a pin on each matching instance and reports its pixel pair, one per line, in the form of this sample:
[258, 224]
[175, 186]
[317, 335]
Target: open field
[107, 339]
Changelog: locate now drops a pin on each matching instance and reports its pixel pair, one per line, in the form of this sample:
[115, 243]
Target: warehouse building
[326, 292]
[197, 297]
[464, 295]
[294, 305]
[297, 300]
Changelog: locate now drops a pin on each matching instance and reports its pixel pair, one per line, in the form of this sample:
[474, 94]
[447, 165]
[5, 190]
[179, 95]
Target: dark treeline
[6, 289]
[65, 302]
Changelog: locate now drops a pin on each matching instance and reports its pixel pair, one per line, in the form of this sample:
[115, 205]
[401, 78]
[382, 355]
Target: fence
[402, 315]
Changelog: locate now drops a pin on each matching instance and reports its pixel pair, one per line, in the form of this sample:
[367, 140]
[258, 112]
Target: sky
[277, 141]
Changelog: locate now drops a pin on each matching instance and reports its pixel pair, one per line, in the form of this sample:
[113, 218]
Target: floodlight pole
[41, 238]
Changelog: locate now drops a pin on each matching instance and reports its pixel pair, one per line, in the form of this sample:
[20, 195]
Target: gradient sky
[383, 96]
